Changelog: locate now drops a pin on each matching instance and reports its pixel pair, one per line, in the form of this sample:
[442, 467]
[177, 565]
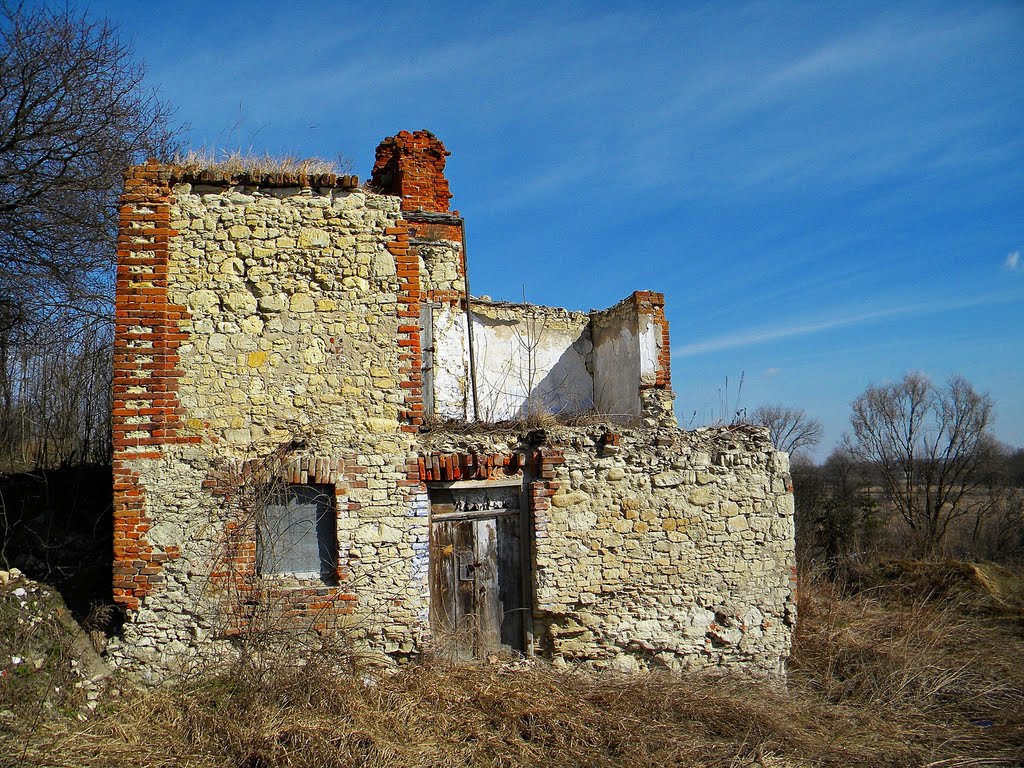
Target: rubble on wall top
[730, 437]
[421, 139]
[518, 309]
[227, 179]
[640, 299]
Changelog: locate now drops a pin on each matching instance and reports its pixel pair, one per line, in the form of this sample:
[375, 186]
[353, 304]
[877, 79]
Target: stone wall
[657, 547]
[276, 316]
[287, 330]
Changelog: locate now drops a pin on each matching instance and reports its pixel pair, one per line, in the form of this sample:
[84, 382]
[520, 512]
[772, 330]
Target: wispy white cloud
[549, 181]
[755, 336]
[836, 114]
[785, 110]
[1013, 262]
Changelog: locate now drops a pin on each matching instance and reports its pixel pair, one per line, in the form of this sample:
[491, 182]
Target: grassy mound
[41, 665]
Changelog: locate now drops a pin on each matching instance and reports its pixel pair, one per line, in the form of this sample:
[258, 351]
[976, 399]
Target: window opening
[297, 533]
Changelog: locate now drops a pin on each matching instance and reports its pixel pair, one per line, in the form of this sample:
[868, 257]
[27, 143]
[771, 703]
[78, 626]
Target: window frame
[324, 528]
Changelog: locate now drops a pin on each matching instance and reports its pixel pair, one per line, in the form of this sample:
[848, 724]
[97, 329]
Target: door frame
[526, 542]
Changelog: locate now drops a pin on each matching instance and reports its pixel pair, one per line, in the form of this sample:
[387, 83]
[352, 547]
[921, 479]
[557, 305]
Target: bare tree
[74, 113]
[930, 448]
[791, 429]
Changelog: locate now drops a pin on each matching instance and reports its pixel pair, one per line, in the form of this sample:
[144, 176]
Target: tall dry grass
[885, 672]
[439, 715]
[928, 647]
[240, 162]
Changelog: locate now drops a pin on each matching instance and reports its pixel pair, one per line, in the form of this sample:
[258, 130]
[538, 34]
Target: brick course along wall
[146, 407]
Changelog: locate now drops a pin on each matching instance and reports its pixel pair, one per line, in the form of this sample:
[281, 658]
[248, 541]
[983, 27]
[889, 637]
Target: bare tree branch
[791, 429]
[74, 113]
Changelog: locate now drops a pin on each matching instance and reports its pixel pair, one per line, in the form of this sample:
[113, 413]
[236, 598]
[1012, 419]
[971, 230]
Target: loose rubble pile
[46, 659]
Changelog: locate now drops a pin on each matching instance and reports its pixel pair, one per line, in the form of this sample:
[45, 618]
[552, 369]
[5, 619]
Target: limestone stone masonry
[282, 298]
[658, 547]
[277, 332]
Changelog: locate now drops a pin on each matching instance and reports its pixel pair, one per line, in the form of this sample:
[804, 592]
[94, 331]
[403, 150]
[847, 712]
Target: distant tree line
[74, 113]
[918, 474]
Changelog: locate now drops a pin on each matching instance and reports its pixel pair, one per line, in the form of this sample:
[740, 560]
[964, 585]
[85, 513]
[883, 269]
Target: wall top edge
[644, 301]
[169, 173]
[428, 217]
[443, 437]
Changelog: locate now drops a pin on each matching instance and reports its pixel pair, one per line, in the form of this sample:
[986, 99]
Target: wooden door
[477, 589]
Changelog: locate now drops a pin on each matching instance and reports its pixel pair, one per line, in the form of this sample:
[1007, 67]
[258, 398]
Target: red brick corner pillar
[411, 166]
[652, 304]
[146, 414]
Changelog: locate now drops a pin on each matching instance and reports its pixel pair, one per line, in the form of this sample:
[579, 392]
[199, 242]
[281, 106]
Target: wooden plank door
[452, 583]
[488, 607]
[511, 580]
[476, 576]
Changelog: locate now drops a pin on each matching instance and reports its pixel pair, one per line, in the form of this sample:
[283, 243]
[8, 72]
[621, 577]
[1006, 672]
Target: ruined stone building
[303, 438]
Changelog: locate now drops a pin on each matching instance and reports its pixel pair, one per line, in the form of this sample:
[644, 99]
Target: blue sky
[828, 194]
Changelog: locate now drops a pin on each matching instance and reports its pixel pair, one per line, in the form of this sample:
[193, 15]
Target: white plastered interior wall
[450, 369]
[649, 343]
[625, 357]
[545, 359]
[526, 358]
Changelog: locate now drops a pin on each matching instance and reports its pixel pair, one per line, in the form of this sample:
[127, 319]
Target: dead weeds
[878, 678]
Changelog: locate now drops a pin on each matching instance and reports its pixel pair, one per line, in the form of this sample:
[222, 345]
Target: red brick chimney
[411, 166]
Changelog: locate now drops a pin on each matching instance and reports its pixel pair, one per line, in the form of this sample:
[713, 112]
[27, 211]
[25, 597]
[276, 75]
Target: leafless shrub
[930, 448]
[254, 609]
[55, 396]
[836, 515]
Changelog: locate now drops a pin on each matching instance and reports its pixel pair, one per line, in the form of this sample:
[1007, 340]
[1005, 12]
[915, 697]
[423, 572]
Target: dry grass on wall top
[238, 162]
[886, 672]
